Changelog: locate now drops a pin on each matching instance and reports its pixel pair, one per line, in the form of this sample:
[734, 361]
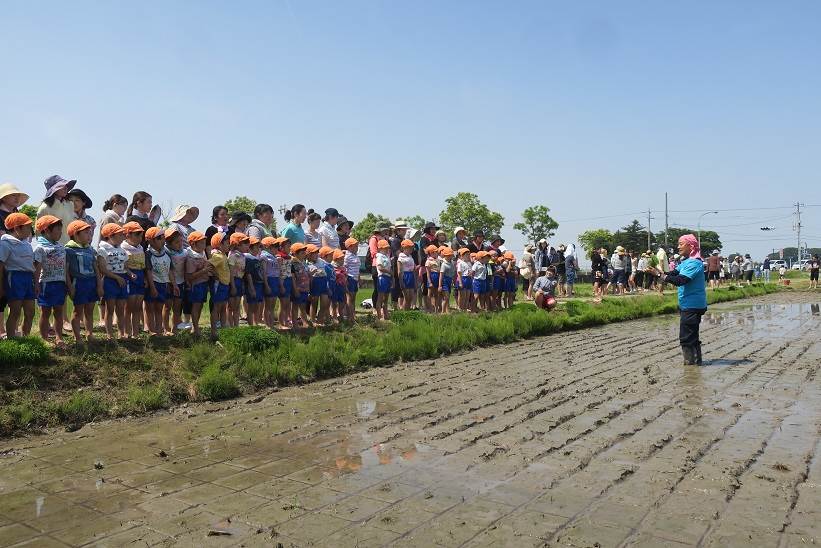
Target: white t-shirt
[328, 233]
[115, 257]
[479, 271]
[52, 259]
[462, 268]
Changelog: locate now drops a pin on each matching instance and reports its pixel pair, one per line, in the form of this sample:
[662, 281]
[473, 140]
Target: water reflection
[768, 320]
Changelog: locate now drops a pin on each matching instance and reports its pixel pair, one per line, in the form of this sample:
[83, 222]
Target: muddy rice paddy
[592, 438]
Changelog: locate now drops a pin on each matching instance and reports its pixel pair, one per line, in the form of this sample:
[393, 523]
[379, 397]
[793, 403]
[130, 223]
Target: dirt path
[592, 438]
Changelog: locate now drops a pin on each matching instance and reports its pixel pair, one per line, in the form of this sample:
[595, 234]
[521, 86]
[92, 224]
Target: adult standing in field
[57, 203]
[380, 232]
[143, 212]
[219, 225]
[748, 268]
[527, 270]
[571, 265]
[82, 203]
[713, 268]
[327, 229]
[312, 235]
[259, 227]
[477, 244]
[460, 239]
[619, 262]
[293, 230]
[692, 297]
[766, 269]
[542, 257]
[343, 228]
[814, 265]
[398, 231]
[428, 238]
[181, 221]
[663, 266]
[114, 210]
[561, 270]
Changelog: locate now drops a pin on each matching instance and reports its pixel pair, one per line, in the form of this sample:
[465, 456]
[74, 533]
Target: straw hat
[8, 189]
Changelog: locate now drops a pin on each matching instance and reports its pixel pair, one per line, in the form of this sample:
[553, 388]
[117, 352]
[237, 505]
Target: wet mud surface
[592, 438]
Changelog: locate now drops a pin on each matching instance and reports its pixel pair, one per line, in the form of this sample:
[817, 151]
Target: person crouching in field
[85, 284]
[545, 288]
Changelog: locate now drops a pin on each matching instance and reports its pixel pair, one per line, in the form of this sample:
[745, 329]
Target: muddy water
[593, 438]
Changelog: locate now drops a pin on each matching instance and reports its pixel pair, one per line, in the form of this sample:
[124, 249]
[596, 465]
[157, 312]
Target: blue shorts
[19, 285]
[433, 280]
[259, 290]
[466, 282]
[338, 294]
[198, 293]
[498, 283]
[162, 294]
[383, 284]
[409, 279]
[571, 277]
[619, 277]
[181, 292]
[52, 294]
[85, 291]
[447, 282]
[112, 290]
[288, 289]
[353, 285]
[137, 285]
[219, 292]
[510, 284]
[319, 286]
[301, 297]
[239, 285]
[273, 286]
[479, 287]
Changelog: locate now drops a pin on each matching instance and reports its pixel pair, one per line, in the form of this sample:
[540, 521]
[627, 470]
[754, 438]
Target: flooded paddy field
[598, 437]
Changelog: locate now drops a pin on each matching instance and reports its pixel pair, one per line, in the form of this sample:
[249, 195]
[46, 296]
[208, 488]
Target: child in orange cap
[302, 284]
[11, 198]
[176, 302]
[17, 271]
[115, 278]
[197, 272]
[432, 271]
[318, 294]
[511, 278]
[158, 278]
[221, 284]
[286, 283]
[463, 281]
[239, 245]
[270, 266]
[50, 275]
[407, 273]
[446, 272]
[384, 281]
[326, 256]
[135, 264]
[256, 283]
[352, 265]
[85, 284]
[479, 272]
[340, 293]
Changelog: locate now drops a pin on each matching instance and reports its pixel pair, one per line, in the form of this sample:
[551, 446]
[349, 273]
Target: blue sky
[594, 109]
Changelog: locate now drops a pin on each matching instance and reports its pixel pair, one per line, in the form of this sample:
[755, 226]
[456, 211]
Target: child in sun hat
[286, 283]
[319, 283]
[446, 272]
[239, 245]
[407, 273]
[545, 289]
[222, 282]
[256, 282]
[17, 272]
[159, 275]
[340, 293]
[197, 272]
[301, 285]
[352, 265]
[270, 265]
[384, 280]
[50, 275]
[175, 303]
[432, 276]
[115, 278]
[85, 285]
[135, 263]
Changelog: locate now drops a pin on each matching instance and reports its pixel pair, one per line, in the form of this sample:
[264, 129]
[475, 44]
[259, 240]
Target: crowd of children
[159, 280]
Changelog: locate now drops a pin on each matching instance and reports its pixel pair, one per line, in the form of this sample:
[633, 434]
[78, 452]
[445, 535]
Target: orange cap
[110, 230]
[325, 251]
[311, 248]
[216, 239]
[508, 255]
[170, 232]
[133, 226]
[407, 243]
[339, 254]
[297, 247]
[195, 236]
[76, 226]
[237, 238]
[463, 250]
[17, 219]
[383, 244]
[431, 249]
[351, 241]
[153, 233]
[252, 240]
[447, 252]
[481, 254]
[269, 240]
[46, 221]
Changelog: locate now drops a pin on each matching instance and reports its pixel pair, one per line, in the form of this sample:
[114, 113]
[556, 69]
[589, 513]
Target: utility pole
[798, 228]
[666, 221]
[648, 228]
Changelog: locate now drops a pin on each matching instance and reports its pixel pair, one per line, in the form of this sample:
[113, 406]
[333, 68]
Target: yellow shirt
[220, 263]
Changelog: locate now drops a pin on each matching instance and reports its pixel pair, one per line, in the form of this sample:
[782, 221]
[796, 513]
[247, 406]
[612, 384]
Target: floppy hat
[151, 234]
[530, 247]
[110, 230]
[55, 183]
[76, 226]
[132, 226]
[400, 223]
[429, 225]
[46, 221]
[83, 196]
[7, 189]
[341, 220]
[237, 238]
[195, 236]
[182, 211]
[497, 237]
[619, 249]
[459, 229]
[442, 232]
[17, 219]
[216, 239]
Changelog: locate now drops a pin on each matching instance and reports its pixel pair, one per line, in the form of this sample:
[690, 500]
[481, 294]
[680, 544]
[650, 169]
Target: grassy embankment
[42, 387]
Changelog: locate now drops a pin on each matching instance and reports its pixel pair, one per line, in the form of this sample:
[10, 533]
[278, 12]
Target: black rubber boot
[698, 354]
[689, 354]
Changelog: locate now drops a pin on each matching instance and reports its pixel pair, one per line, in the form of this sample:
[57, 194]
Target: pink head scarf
[695, 249]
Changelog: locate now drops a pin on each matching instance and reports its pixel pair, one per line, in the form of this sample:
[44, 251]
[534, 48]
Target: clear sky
[594, 109]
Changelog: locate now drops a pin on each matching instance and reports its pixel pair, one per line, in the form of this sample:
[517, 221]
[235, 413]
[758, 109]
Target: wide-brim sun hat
[55, 183]
[7, 189]
[182, 210]
[77, 193]
[619, 249]
[459, 229]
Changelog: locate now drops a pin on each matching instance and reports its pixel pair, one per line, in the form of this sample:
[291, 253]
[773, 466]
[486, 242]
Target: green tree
[465, 209]
[596, 239]
[240, 203]
[29, 210]
[415, 221]
[537, 223]
[632, 237]
[709, 239]
[364, 228]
